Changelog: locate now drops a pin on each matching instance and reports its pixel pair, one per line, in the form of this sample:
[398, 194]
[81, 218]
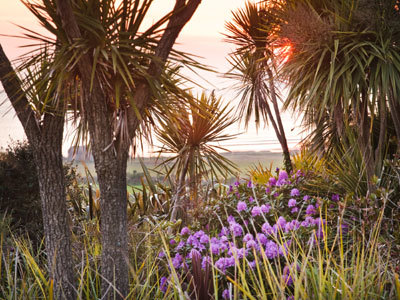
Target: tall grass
[332, 268]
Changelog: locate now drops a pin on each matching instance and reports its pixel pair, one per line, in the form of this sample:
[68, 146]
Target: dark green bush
[19, 190]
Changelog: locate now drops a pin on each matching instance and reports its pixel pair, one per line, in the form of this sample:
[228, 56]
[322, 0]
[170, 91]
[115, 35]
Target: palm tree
[191, 137]
[254, 65]
[41, 114]
[118, 71]
[344, 70]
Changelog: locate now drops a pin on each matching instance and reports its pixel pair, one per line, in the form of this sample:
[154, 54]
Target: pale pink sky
[202, 36]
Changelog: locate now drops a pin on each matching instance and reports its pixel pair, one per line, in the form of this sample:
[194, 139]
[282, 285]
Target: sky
[202, 36]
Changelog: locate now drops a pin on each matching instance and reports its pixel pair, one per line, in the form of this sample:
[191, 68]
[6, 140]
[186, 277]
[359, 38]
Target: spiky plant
[254, 66]
[192, 138]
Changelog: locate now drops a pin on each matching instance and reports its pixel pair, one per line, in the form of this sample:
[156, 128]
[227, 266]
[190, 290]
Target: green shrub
[19, 190]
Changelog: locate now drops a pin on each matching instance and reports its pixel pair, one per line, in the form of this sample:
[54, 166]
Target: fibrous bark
[46, 140]
[110, 155]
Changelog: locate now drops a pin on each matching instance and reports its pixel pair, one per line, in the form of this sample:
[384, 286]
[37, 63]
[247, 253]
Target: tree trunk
[109, 152]
[283, 141]
[48, 159]
[178, 199]
[46, 139]
[111, 174]
[364, 142]
[395, 113]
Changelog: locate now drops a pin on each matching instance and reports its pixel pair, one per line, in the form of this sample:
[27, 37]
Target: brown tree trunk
[46, 139]
[282, 140]
[110, 154]
[364, 142]
[48, 159]
[113, 224]
[394, 106]
[178, 199]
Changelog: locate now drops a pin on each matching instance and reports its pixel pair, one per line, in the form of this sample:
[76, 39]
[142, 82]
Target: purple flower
[266, 228]
[283, 175]
[271, 250]
[252, 244]
[310, 210]
[231, 219]
[236, 229]
[252, 264]
[185, 231]
[241, 206]
[295, 224]
[294, 193]
[268, 190]
[199, 234]
[282, 179]
[248, 237]
[172, 242]
[214, 248]
[306, 198]
[220, 264]
[224, 231]
[205, 262]
[177, 261]
[163, 284]
[256, 211]
[237, 183]
[192, 240]
[230, 189]
[204, 239]
[250, 184]
[335, 197]
[292, 202]
[307, 222]
[161, 254]
[265, 208]
[276, 195]
[272, 181]
[180, 245]
[251, 199]
[281, 222]
[226, 294]
[294, 210]
[283, 250]
[230, 261]
[262, 238]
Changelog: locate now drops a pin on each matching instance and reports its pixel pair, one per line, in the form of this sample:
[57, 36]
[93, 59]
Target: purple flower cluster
[261, 220]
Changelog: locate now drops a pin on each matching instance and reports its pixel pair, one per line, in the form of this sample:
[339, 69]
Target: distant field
[244, 160]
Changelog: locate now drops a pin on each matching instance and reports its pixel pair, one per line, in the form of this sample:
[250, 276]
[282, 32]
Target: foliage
[342, 74]
[233, 253]
[193, 136]
[255, 64]
[19, 190]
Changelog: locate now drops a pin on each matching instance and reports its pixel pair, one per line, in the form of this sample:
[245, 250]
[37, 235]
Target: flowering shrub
[256, 223]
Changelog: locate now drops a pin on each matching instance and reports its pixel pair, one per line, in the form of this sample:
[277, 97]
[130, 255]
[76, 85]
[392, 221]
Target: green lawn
[244, 160]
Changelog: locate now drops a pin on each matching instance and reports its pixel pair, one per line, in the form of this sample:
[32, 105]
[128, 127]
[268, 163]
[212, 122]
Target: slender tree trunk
[379, 151]
[178, 199]
[364, 141]
[395, 113]
[48, 159]
[46, 139]
[283, 141]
